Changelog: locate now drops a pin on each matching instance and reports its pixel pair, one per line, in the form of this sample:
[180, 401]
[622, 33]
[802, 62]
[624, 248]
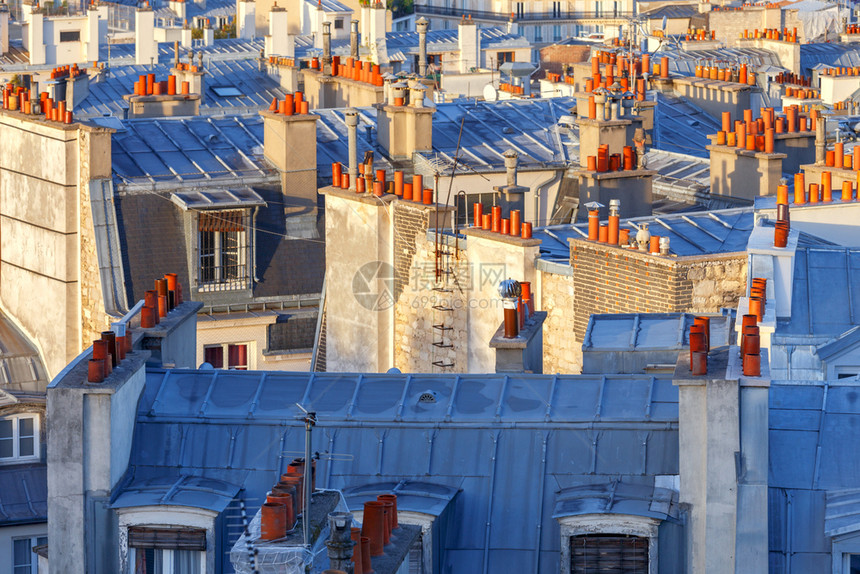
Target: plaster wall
[404, 130]
[714, 96]
[562, 351]
[836, 222]
[358, 269]
[337, 92]
[837, 88]
[799, 149]
[252, 331]
[743, 173]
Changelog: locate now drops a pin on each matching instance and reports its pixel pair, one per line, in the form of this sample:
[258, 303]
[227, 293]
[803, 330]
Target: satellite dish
[490, 93]
[665, 21]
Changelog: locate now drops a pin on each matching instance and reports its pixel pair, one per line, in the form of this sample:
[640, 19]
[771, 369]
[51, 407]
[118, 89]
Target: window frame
[620, 524]
[225, 355]
[167, 561]
[16, 457]
[34, 559]
[68, 32]
[217, 250]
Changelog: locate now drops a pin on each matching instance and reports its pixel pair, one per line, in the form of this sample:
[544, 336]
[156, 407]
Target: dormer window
[19, 438]
[223, 250]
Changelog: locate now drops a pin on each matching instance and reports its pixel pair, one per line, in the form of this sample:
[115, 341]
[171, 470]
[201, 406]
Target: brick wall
[410, 221]
[562, 350]
[553, 57]
[609, 279]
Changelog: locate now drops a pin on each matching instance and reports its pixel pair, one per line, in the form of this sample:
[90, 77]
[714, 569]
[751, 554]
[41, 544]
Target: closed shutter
[167, 538]
[608, 554]
[221, 221]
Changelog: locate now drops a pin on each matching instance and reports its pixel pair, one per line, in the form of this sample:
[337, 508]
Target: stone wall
[610, 279]
[562, 350]
[553, 58]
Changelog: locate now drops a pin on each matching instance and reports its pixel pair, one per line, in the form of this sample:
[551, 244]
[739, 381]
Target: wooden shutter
[608, 554]
[167, 538]
[221, 221]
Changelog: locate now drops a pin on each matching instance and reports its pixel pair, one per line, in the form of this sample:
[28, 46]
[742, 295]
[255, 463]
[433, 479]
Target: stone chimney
[353, 40]
[421, 26]
[326, 58]
[405, 129]
[378, 22]
[246, 19]
[469, 42]
[145, 45]
[723, 452]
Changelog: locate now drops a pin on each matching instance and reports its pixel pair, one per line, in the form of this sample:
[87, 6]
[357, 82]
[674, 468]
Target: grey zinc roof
[22, 372]
[685, 61]
[446, 40]
[642, 331]
[819, 273]
[507, 443]
[23, 494]
[182, 490]
[718, 231]
[829, 53]
[412, 495]
[682, 127]
[219, 50]
[618, 498]
[813, 480]
[256, 89]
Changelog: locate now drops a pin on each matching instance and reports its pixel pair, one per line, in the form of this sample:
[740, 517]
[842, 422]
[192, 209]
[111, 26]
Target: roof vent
[427, 397]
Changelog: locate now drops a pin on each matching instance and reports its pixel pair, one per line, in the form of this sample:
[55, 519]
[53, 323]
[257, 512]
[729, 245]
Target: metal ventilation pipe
[664, 245]
[511, 166]
[351, 117]
[421, 26]
[353, 39]
[326, 59]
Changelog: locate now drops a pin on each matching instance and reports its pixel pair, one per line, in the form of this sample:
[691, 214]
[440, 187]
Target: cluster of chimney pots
[354, 69]
[784, 35]
[495, 223]
[699, 35]
[604, 161]
[759, 134]
[292, 104]
[725, 74]
[285, 503]
[376, 182]
[158, 302]
[108, 352]
[750, 339]
[147, 86]
[612, 234]
[17, 98]
[627, 67]
[518, 306]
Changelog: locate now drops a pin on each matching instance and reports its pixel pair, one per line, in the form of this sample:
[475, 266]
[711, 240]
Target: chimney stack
[4, 28]
[421, 26]
[820, 139]
[340, 543]
[145, 46]
[246, 25]
[353, 39]
[326, 59]
[511, 161]
[468, 40]
[351, 116]
[278, 41]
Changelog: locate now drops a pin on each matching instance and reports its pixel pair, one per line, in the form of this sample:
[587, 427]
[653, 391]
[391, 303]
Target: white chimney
[178, 7]
[186, 38]
[35, 40]
[468, 40]
[92, 35]
[208, 34]
[246, 11]
[4, 28]
[364, 22]
[145, 46]
[278, 42]
[377, 22]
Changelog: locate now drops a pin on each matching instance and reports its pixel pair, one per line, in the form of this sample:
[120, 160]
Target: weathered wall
[562, 350]
[613, 280]
[45, 169]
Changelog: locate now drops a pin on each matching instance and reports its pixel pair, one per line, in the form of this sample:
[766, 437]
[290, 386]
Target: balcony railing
[528, 17]
[222, 278]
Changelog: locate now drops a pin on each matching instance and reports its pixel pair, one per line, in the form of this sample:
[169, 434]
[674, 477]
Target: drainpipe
[351, 117]
[511, 167]
[326, 48]
[539, 190]
[254, 245]
[353, 39]
[421, 26]
[820, 127]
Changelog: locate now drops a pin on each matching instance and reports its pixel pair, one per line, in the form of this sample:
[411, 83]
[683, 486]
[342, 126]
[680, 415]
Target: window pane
[237, 356]
[26, 447]
[21, 551]
[855, 564]
[6, 448]
[6, 428]
[25, 427]
[214, 356]
[186, 561]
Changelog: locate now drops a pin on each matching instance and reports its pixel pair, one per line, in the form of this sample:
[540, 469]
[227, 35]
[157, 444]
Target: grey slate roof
[23, 494]
[485, 435]
[682, 127]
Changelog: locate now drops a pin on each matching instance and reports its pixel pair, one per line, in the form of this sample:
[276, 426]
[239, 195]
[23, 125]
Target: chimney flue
[326, 59]
[351, 117]
[820, 142]
[353, 40]
[511, 160]
[421, 26]
[510, 290]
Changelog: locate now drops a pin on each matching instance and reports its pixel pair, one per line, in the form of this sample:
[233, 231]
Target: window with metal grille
[338, 24]
[222, 249]
[608, 554]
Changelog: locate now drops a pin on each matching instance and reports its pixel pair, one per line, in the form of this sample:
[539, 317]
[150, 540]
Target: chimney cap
[510, 289]
[593, 205]
[511, 153]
